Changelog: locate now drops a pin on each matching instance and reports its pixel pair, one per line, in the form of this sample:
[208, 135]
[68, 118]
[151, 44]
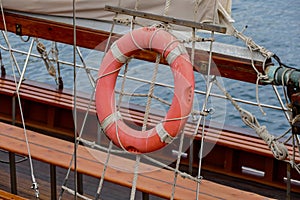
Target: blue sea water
[272, 24]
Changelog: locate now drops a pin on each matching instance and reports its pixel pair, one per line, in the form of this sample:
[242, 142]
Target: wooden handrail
[90, 162]
[8, 196]
[228, 142]
[229, 66]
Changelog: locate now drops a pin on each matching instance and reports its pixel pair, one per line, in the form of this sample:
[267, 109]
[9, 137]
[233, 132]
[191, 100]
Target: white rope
[74, 193]
[132, 37]
[167, 7]
[75, 96]
[99, 189]
[134, 181]
[121, 152]
[278, 149]
[87, 71]
[78, 139]
[177, 164]
[144, 95]
[109, 73]
[252, 46]
[208, 91]
[150, 92]
[76, 142]
[34, 182]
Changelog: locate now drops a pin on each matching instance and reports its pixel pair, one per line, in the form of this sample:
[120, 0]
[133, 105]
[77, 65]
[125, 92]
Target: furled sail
[204, 11]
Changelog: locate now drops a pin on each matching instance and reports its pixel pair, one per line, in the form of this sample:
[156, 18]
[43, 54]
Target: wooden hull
[50, 111]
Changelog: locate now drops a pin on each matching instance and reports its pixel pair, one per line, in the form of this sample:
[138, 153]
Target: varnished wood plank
[8, 196]
[166, 19]
[225, 138]
[48, 149]
[224, 65]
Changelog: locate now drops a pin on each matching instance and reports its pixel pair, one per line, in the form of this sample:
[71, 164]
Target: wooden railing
[156, 181]
[234, 152]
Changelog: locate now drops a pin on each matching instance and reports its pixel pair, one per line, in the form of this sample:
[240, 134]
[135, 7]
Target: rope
[208, 91]
[104, 171]
[43, 52]
[150, 93]
[121, 152]
[132, 38]
[278, 149]
[259, 77]
[167, 7]
[123, 85]
[75, 194]
[75, 97]
[177, 165]
[134, 181]
[76, 142]
[197, 4]
[87, 71]
[78, 139]
[144, 95]
[252, 46]
[54, 51]
[34, 183]
[281, 103]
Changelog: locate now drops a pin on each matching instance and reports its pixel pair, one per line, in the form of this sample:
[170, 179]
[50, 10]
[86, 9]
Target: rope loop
[279, 151]
[41, 48]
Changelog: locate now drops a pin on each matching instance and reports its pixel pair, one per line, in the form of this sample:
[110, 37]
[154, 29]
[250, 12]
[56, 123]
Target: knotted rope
[278, 149]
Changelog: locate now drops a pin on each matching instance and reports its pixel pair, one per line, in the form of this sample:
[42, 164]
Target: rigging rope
[34, 186]
[167, 7]
[43, 52]
[208, 91]
[75, 97]
[177, 164]
[278, 149]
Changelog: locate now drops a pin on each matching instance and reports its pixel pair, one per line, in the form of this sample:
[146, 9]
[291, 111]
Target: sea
[272, 24]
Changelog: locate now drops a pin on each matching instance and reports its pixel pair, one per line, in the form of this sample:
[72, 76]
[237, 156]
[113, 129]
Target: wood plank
[222, 137]
[90, 161]
[227, 139]
[8, 196]
[167, 19]
[223, 65]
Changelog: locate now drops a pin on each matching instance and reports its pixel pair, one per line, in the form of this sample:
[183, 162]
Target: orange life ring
[177, 57]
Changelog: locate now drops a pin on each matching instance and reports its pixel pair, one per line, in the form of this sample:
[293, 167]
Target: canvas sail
[204, 11]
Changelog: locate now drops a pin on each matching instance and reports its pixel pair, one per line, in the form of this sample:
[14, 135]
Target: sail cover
[208, 11]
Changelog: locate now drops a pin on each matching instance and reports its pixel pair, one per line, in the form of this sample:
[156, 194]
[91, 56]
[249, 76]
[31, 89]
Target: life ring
[177, 57]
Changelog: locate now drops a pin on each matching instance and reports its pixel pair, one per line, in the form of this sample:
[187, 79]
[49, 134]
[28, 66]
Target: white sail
[208, 11]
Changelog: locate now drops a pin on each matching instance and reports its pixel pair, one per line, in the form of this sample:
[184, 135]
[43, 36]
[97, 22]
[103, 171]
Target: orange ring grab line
[177, 57]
